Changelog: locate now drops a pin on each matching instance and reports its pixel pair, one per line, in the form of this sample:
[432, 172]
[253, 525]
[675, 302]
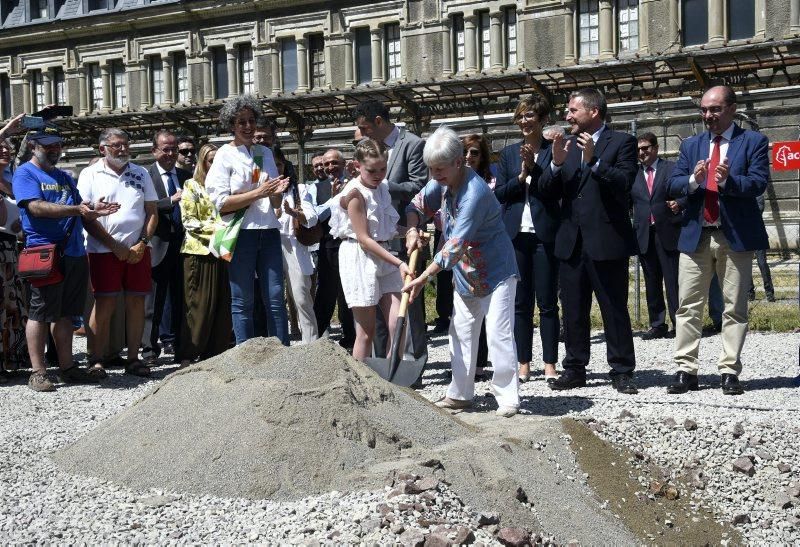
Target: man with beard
[187, 153]
[53, 212]
[592, 172]
[121, 264]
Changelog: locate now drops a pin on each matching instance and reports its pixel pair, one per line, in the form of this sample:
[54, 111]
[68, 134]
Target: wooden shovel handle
[412, 265]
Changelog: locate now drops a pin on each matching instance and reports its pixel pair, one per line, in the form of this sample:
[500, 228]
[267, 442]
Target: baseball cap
[46, 136]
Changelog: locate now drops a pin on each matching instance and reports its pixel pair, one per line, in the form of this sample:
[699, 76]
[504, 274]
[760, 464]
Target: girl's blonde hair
[369, 148]
[200, 170]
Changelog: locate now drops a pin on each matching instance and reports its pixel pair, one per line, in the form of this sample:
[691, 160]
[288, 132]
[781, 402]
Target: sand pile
[265, 421]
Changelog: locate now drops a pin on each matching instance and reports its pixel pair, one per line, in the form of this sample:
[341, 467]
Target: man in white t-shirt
[122, 263]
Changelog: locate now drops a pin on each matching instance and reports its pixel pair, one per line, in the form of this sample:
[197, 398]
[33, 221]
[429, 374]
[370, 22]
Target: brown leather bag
[304, 235]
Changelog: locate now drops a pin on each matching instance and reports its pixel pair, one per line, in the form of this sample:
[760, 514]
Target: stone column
[233, 73]
[349, 60]
[275, 67]
[376, 37]
[83, 85]
[144, 84]
[496, 44]
[26, 92]
[302, 63]
[606, 30]
[208, 81]
[328, 66]
[108, 89]
[716, 22]
[761, 29]
[645, 8]
[169, 88]
[470, 43]
[47, 83]
[794, 16]
[447, 48]
[190, 78]
[569, 35]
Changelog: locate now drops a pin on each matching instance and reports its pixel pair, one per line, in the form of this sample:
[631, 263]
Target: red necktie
[711, 209]
[650, 175]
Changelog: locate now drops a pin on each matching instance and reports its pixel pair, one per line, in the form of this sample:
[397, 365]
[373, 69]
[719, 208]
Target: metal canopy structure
[745, 67]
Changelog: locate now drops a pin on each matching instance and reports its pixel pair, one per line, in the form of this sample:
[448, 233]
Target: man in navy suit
[657, 222]
[722, 171]
[592, 172]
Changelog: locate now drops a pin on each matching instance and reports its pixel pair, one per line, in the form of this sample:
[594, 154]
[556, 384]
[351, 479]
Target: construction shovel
[393, 368]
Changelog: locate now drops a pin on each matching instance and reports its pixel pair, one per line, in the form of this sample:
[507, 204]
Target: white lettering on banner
[784, 155]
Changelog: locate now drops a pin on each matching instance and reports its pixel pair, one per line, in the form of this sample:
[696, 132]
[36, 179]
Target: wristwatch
[144, 239]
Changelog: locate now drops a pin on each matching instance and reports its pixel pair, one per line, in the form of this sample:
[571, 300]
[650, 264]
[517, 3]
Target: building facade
[143, 64]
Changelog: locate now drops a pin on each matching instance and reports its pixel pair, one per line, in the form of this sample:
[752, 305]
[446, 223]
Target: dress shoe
[731, 385]
[670, 334]
[683, 382]
[711, 330]
[624, 383]
[506, 411]
[567, 381]
[770, 297]
[655, 333]
[440, 327]
[524, 373]
[168, 348]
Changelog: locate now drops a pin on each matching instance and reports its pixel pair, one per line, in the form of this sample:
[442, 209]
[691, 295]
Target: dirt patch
[661, 520]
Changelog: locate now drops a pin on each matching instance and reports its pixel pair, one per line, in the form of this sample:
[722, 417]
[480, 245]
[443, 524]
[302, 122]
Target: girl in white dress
[365, 220]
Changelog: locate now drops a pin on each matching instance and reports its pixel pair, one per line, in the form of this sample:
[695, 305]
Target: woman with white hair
[479, 251]
[244, 177]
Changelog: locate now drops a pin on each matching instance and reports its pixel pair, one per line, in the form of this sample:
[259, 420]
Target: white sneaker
[506, 411]
[453, 404]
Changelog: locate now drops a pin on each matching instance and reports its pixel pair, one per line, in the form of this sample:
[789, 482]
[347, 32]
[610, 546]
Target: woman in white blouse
[244, 176]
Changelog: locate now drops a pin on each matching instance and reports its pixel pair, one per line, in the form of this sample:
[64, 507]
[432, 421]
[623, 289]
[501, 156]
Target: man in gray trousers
[406, 174]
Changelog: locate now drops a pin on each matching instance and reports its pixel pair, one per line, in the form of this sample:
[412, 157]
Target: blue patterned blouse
[477, 247]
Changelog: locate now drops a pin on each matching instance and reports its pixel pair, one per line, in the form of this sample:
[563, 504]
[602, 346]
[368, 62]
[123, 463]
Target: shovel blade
[408, 372]
[381, 367]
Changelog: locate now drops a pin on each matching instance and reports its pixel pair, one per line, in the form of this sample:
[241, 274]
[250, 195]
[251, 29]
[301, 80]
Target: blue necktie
[176, 210]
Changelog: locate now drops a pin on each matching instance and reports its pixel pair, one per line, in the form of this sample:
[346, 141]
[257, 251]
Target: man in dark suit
[656, 220]
[406, 174]
[329, 285]
[164, 306]
[722, 171]
[592, 172]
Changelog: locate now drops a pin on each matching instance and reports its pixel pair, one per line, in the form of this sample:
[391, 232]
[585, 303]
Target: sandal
[137, 368]
[96, 370]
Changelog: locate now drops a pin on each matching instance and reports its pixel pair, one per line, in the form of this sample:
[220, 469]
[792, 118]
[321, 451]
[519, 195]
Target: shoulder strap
[72, 221]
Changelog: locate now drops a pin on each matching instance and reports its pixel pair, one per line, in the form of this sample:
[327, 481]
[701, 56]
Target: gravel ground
[40, 503]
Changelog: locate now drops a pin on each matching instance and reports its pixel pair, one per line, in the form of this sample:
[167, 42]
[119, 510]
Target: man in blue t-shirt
[52, 212]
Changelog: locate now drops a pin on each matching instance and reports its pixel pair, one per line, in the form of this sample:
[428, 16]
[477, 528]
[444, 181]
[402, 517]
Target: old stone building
[144, 64]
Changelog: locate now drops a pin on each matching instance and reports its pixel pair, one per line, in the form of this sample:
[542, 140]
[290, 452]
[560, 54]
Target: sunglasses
[645, 148]
[186, 151]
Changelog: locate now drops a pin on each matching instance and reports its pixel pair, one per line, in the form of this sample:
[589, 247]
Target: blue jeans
[258, 251]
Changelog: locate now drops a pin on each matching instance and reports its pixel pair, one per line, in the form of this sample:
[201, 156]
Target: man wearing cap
[52, 212]
[121, 264]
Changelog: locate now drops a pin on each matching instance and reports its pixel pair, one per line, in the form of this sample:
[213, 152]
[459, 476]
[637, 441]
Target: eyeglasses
[117, 145]
[333, 162]
[186, 151]
[645, 148]
[472, 152]
[528, 116]
[711, 109]
[167, 150]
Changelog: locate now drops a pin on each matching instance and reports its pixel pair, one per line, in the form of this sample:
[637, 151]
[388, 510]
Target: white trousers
[465, 329]
[299, 287]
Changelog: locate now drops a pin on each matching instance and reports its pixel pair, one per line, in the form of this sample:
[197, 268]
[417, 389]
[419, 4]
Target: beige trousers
[735, 272]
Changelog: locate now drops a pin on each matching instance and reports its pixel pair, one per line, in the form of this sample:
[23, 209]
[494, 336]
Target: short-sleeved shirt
[232, 173]
[477, 247]
[131, 189]
[30, 183]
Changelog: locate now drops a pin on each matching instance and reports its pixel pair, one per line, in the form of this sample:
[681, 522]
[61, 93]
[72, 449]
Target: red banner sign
[786, 156]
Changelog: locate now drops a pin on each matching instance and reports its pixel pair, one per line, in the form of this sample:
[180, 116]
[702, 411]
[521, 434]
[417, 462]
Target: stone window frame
[242, 71]
[718, 33]
[144, 49]
[618, 25]
[299, 27]
[228, 37]
[119, 80]
[27, 62]
[470, 11]
[375, 17]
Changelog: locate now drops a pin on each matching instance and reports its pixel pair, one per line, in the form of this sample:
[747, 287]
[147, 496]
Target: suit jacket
[406, 173]
[595, 203]
[166, 227]
[667, 223]
[545, 211]
[748, 176]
